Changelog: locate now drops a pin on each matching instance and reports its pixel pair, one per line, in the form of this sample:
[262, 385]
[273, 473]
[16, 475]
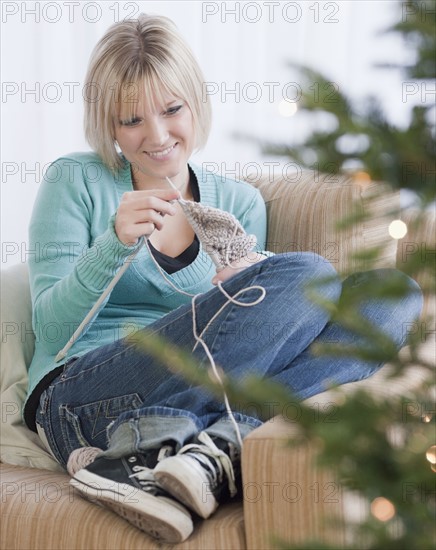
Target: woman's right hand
[141, 212]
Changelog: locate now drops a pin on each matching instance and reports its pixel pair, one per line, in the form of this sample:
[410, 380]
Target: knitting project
[225, 241]
[220, 233]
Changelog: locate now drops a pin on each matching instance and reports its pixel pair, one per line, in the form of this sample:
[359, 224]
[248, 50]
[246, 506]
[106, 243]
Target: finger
[151, 216]
[165, 194]
[146, 229]
[154, 203]
[223, 275]
[131, 215]
[136, 219]
[141, 198]
[131, 225]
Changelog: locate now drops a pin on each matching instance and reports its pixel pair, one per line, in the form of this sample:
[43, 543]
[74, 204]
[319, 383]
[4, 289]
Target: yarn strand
[224, 226]
[241, 249]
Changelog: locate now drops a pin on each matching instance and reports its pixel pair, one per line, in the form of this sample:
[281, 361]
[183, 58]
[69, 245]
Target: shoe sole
[156, 516]
[175, 475]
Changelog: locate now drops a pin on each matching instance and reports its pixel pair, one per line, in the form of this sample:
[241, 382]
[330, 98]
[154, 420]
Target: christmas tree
[369, 460]
[378, 447]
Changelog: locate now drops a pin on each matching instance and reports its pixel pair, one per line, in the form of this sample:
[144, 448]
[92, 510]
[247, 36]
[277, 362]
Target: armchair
[285, 494]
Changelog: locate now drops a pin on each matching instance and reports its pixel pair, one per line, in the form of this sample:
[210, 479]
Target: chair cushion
[41, 510]
[18, 444]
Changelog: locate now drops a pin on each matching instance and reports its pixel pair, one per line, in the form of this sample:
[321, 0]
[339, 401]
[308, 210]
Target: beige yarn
[220, 233]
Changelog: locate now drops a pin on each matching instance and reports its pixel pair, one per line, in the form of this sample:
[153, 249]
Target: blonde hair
[148, 54]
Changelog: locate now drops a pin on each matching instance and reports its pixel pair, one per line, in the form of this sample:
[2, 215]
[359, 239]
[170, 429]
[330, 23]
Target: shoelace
[145, 475]
[221, 459]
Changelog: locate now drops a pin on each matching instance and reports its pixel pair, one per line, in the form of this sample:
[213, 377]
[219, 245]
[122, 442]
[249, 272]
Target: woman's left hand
[237, 267]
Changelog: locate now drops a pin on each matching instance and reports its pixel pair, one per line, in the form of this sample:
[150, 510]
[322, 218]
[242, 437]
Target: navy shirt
[169, 264]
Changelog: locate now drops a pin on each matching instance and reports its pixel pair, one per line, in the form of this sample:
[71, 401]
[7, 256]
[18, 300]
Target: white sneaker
[197, 475]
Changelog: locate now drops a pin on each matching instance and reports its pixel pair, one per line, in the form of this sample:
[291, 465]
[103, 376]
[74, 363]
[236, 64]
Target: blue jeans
[123, 401]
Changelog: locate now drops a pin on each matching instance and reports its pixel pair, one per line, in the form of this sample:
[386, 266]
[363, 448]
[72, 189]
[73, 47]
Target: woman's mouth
[158, 155]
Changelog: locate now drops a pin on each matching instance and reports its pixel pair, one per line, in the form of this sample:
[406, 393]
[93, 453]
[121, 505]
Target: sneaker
[81, 458]
[127, 486]
[198, 475]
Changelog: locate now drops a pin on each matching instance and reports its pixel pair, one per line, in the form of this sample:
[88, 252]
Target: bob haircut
[144, 56]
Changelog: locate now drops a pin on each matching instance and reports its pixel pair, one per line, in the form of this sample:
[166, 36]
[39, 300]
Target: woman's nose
[157, 132]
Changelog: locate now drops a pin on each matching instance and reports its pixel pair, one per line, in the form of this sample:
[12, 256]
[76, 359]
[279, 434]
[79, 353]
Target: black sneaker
[127, 486]
[81, 458]
[198, 475]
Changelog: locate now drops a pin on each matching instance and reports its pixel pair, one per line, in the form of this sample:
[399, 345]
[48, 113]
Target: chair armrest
[286, 495]
[303, 215]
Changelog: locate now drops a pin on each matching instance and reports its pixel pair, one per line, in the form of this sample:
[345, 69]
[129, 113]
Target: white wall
[46, 45]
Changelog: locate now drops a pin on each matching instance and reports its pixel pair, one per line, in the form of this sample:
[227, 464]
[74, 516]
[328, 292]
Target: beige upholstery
[303, 216]
[40, 510]
[284, 494]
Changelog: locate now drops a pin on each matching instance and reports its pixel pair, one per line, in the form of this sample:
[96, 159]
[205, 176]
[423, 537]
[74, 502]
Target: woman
[167, 448]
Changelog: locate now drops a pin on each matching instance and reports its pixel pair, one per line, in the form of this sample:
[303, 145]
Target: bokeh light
[397, 229]
[382, 509]
[287, 108]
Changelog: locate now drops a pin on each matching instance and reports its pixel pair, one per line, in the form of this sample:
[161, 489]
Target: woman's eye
[174, 110]
[130, 122]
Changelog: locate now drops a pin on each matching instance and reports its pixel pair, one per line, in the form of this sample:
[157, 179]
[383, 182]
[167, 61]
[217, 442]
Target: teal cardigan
[77, 253]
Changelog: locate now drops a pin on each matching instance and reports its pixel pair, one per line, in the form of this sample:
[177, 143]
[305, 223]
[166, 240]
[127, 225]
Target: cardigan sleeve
[254, 221]
[68, 269]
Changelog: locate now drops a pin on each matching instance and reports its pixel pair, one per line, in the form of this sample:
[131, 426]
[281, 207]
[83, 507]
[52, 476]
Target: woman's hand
[237, 267]
[141, 212]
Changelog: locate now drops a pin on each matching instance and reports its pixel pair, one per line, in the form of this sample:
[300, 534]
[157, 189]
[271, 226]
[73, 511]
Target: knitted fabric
[220, 233]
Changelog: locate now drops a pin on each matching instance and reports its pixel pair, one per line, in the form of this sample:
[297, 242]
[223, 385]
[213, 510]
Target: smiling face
[157, 137]
[146, 55]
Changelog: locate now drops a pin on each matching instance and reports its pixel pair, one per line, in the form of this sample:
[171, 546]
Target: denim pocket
[85, 425]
